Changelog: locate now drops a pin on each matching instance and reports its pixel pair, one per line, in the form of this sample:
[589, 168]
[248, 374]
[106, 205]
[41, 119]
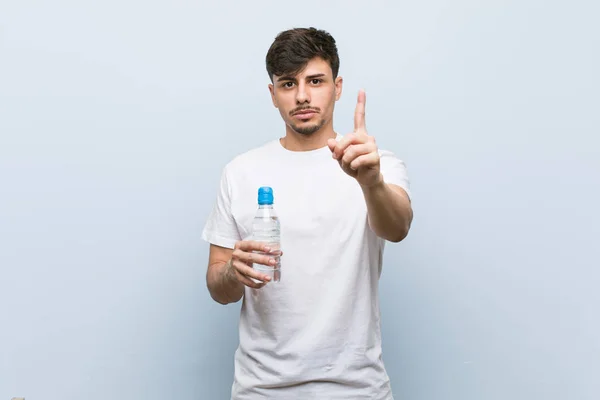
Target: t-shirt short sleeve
[220, 228]
[394, 170]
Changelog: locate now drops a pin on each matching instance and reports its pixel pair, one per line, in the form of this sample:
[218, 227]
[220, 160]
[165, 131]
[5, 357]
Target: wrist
[228, 272]
[378, 184]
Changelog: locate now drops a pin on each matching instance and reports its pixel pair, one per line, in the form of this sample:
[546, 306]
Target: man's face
[306, 100]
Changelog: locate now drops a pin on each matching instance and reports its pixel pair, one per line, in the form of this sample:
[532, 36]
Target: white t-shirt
[315, 334]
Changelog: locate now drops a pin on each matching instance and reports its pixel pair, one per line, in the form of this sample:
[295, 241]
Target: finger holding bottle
[243, 258]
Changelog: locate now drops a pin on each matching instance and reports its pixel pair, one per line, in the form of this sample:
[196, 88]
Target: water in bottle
[265, 228]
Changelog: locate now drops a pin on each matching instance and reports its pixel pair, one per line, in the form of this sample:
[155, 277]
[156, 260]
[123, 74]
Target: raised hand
[357, 152]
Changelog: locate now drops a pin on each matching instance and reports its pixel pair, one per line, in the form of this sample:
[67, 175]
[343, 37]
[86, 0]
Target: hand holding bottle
[242, 259]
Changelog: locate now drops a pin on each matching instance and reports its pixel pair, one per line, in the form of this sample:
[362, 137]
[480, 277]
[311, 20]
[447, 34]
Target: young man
[316, 333]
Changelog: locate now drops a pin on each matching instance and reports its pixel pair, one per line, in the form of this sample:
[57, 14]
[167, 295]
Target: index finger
[250, 245]
[359, 112]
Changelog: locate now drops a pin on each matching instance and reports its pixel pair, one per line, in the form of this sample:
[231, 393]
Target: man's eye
[316, 81]
[288, 84]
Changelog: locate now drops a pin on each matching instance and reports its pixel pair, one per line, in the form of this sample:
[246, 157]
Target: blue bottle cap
[265, 195]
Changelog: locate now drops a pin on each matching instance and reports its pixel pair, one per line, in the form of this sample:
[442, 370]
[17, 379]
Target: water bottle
[265, 228]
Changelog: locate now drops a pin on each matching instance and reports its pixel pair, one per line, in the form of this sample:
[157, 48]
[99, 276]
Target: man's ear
[272, 91]
[339, 81]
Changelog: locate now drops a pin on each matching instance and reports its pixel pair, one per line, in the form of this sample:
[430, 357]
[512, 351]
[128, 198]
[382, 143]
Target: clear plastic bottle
[265, 228]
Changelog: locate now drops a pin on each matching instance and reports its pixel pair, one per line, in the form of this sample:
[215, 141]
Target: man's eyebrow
[293, 79]
[286, 78]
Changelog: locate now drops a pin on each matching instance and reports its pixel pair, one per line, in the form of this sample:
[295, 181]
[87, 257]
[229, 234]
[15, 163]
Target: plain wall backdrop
[116, 118]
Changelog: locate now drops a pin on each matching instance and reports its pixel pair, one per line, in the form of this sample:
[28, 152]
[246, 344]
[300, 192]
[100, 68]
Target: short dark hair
[294, 48]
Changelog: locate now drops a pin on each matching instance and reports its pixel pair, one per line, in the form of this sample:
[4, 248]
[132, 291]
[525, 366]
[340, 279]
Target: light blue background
[116, 118]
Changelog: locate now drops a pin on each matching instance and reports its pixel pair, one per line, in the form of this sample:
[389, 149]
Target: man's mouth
[304, 114]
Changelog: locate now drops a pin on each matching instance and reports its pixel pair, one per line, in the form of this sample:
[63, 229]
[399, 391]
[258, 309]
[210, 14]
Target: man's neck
[295, 141]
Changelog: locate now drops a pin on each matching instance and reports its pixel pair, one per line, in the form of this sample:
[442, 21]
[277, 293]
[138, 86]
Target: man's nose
[302, 95]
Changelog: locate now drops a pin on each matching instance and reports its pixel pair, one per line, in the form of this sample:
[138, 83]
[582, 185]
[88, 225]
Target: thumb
[331, 144]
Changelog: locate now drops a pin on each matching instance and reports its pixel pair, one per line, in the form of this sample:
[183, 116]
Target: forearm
[389, 210]
[222, 284]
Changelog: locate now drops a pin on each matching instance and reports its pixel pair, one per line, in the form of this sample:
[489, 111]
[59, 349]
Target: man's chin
[306, 130]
